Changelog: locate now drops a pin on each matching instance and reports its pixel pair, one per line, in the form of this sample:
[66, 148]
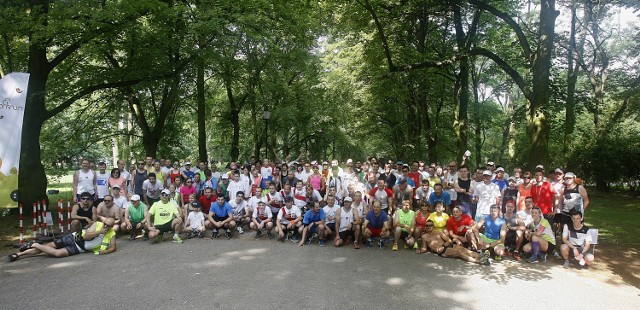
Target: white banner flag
[13, 98]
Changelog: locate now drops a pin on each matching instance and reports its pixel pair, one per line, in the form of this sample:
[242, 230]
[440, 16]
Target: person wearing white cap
[572, 197]
[500, 179]
[486, 194]
[134, 217]
[166, 217]
[347, 220]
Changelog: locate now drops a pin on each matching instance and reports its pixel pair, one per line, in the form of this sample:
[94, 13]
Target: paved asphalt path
[267, 274]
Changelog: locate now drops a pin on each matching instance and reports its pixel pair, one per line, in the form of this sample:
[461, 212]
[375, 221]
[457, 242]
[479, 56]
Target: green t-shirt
[163, 212]
[137, 214]
[405, 218]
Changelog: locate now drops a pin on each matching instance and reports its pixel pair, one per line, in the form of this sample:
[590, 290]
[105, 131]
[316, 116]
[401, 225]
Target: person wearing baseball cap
[572, 197]
[134, 218]
[166, 217]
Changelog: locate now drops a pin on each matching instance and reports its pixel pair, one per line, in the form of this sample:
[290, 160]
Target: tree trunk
[572, 78]
[537, 122]
[460, 127]
[202, 112]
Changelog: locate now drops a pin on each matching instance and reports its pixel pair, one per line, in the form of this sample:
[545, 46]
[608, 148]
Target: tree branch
[383, 37]
[517, 78]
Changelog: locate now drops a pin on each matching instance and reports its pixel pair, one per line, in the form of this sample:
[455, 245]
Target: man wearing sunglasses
[83, 214]
[99, 238]
[166, 217]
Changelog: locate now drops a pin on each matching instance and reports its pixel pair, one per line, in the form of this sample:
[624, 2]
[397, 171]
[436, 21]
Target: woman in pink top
[524, 190]
[186, 190]
[117, 179]
[315, 179]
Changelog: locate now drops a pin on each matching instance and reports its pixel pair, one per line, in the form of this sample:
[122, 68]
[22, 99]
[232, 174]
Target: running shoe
[321, 242]
[517, 255]
[158, 239]
[294, 238]
[214, 234]
[381, 244]
[227, 234]
[394, 247]
[239, 229]
[201, 234]
[484, 259]
[258, 234]
[566, 264]
[497, 258]
[177, 239]
[543, 257]
[533, 259]
[369, 243]
[269, 236]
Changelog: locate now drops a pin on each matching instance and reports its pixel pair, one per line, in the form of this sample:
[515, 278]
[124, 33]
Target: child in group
[195, 221]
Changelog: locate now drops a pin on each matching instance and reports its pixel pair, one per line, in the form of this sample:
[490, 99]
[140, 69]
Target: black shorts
[511, 238]
[404, 234]
[346, 233]
[164, 227]
[331, 226]
[219, 219]
[67, 242]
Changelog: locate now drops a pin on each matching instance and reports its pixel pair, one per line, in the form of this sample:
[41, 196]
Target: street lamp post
[266, 116]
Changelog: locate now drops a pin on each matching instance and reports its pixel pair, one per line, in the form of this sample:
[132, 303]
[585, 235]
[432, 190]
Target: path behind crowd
[259, 274]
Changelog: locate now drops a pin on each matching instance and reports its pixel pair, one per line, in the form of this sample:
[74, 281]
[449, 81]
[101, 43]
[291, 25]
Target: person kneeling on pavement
[576, 240]
[166, 217]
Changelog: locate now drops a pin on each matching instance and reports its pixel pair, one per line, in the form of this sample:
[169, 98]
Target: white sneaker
[240, 231]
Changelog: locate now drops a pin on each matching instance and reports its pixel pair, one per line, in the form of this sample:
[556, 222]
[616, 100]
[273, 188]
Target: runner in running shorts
[403, 226]
[346, 219]
[289, 220]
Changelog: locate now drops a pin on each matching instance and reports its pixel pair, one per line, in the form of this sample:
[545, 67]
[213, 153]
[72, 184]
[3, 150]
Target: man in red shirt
[544, 196]
[459, 228]
[206, 200]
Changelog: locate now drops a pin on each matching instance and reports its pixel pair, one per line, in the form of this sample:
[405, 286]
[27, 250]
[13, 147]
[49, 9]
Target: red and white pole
[35, 219]
[60, 216]
[39, 219]
[21, 227]
[44, 217]
[69, 215]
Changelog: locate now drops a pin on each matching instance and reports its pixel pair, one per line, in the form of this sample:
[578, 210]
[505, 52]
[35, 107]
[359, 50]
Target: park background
[519, 83]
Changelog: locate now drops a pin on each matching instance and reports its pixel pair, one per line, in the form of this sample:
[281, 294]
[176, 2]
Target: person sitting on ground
[541, 237]
[108, 209]
[403, 226]
[313, 223]
[99, 238]
[525, 214]
[515, 229]
[423, 192]
[346, 223]
[165, 218]
[330, 211]
[220, 217]
[135, 218]
[419, 223]
[289, 220]
[262, 219]
[440, 243]
[460, 227]
[83, 214]
[576, 241]
[194, 226]
[376, 224]
[439, 218]
[495, 232]
[241, 214]
[120, 201]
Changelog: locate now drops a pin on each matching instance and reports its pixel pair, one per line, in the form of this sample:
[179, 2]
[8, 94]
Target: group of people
[447, 210]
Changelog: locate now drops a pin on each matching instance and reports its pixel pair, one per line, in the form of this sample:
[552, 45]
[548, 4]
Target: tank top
[85, 182]
[140, 178]
[346, 218]
[524, 193]
[316, 181]
[173, 175]
[572, 199]
[85, 213]
[492, 228]
[421, 221]
[405, 218]
[511, 222]
[400, 196]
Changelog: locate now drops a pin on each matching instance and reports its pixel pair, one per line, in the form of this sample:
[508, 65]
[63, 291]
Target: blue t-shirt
[502, 184]
[310, 217]
[221, 211]
[444, 197]
[190, 174]
[409, 181]
[376, 221]
[492, 228]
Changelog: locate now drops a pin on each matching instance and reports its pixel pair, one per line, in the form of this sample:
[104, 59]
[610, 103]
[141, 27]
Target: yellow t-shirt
[440, 222]
[163, 212]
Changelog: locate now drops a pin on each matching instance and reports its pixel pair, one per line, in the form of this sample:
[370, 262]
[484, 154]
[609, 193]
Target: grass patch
[616, 215]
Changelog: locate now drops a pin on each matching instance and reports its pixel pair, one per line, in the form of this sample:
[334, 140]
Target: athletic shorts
[313, 229]
[68, 242]
[375, 232]
[404, 234]
[219, 219]
[345, 234]
[488, 240]
[589, 251]
[164, 227]
[511, 237]
[331, 226]
[134, 225]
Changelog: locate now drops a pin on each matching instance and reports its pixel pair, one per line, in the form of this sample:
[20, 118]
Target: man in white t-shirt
[450, 179]
[194, 226]
[151, 189]
[262, 219]
[487, 194]
[289, 220]
[102, 182]
[330, 210]
[119, 200]
[240, 213]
